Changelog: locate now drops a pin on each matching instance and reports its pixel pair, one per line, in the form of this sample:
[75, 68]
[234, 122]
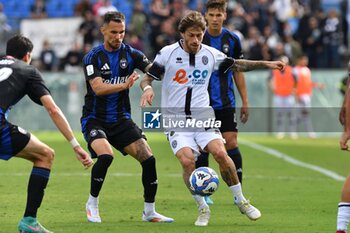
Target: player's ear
[27, 58]
[102, 29]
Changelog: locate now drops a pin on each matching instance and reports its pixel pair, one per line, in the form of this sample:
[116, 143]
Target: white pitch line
[294, 161]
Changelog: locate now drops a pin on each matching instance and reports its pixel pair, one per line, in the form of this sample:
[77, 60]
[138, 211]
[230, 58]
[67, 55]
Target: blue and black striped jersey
[114, 68]
[221, 89]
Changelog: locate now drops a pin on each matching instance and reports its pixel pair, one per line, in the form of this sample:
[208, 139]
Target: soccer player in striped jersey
[17, 79]
[221, 86]
[106, 121]
[185, 69]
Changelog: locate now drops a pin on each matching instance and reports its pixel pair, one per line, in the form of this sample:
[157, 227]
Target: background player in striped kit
[106, 121]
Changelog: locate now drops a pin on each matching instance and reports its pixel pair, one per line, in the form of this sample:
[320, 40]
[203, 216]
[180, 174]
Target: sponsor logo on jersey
[105, 67]
[178, 60]
[116, 80]
[197, 77]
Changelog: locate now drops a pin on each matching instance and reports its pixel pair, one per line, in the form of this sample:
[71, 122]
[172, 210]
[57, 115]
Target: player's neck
[214, 32]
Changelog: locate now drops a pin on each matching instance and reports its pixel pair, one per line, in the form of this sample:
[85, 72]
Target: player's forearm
[241, 87]
[146, 81]
[242, 65]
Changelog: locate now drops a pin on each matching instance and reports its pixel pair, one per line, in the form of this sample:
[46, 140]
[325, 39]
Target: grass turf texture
[292, 199]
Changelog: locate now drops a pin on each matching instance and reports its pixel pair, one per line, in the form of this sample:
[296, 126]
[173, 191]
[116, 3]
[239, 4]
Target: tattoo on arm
[242, 65]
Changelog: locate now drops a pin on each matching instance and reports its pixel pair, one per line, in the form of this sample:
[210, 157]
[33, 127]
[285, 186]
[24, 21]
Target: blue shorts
[13, 139]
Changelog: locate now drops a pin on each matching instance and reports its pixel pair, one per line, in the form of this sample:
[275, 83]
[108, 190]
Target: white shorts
[197, 141]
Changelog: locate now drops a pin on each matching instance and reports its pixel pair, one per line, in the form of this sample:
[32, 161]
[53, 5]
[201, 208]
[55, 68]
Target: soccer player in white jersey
[185, 68]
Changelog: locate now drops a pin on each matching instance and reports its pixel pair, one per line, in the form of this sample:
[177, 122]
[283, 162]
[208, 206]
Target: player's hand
[344, 140]
[147, 98]
[244, 114]
[131, 80]
[279, 65]
[342, 115]
[83, 157]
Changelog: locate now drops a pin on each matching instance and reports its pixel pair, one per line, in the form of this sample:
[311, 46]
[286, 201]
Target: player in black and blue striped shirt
[106, 121]
[221, 86]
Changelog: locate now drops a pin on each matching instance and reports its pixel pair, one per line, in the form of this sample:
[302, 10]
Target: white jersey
[186, 78]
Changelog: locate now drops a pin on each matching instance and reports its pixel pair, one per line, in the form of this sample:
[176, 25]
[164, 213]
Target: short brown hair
[192, 19]
[216, 4]
[115, 16]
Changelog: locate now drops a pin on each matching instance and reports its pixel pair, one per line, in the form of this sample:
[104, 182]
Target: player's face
[193, 37]
[113, 34]
[215, 18]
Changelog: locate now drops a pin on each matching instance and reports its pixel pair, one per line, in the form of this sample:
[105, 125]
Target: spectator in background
[332, 39]
[73, 59]
[81, 7]
[312, 42]
[89, 28]
[138, 20]
[105, 7]
[304, 93]
[283, 85]
[38, 10]
[4, 28]
[48, 58]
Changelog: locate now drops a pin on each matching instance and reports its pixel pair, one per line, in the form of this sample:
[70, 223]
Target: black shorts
[13, 139]
[119, 135]
[228, 119]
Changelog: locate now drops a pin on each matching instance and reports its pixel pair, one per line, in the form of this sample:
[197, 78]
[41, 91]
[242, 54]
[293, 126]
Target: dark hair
[18, 46]
[216, 4]
[192, 19]
[115, 16]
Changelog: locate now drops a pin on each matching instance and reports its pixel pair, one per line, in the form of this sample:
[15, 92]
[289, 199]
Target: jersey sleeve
[140, 60]
[158, 67]
[36, 87]
[219, 58]
[91, 69]
[237, 49]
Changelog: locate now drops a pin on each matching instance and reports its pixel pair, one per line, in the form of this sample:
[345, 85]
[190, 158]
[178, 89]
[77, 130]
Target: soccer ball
[204, 181]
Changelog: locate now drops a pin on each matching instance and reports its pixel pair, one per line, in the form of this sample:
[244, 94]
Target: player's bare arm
[101, 88]
[62, 124]
[241, 87]
[243, 65]
[148, 94]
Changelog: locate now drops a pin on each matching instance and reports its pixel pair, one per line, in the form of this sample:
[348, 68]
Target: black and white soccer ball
[204, 181]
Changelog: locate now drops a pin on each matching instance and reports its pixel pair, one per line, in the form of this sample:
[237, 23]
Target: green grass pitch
[292, 199]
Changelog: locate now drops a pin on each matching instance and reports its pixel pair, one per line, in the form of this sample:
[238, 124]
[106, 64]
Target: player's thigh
[186, 157]
[217, 148]
[37, 151]
[101, 146]
[139, 150]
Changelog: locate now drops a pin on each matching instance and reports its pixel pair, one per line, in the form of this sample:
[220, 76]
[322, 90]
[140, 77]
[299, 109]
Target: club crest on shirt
[123, 63]
[205, 60]
[174, 144]
[225, 48]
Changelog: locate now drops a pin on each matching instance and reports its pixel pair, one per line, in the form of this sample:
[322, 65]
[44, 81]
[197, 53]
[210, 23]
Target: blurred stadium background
[63, 31]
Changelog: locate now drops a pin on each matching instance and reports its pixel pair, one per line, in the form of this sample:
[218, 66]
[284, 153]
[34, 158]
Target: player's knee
[48, 155]
[220, 155]
[231, 144]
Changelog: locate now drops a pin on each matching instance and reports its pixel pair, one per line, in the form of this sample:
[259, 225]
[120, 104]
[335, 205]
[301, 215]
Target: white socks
[200, 202]
[149, 208]
[237, 193]
[93, 200]
[343, 216]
